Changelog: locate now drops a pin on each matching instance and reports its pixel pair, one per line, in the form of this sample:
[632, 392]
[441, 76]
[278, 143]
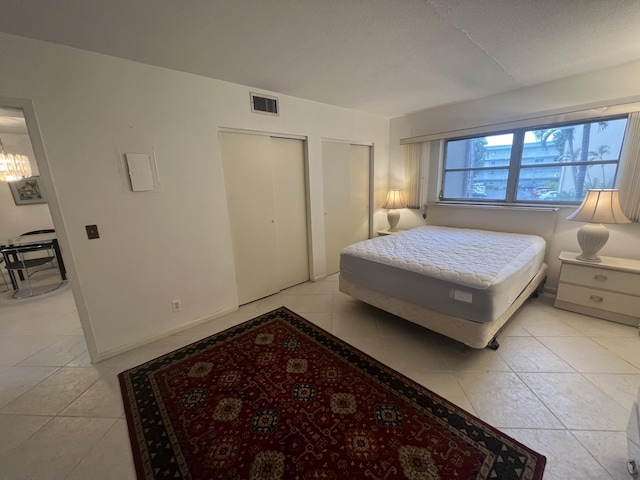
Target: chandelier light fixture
[13, 167]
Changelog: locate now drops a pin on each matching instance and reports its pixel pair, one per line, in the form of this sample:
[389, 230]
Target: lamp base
[595, 259]
[393, 217]
[591, 238]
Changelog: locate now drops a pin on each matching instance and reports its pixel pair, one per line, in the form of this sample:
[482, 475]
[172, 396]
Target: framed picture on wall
[28, 191]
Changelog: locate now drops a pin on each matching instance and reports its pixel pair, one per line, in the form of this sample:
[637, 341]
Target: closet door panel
[346, 198]
[336, 181]
[248, 174]
[291, 210]
[359, 162]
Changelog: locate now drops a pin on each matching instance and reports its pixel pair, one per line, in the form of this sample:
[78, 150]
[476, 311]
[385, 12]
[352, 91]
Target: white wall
[155, 246]
[596, 90]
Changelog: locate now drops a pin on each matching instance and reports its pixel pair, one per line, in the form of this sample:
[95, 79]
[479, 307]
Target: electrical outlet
[176, 305]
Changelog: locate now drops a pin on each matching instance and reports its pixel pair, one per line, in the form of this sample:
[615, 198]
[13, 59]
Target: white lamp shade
[600, 206]
[394, 199]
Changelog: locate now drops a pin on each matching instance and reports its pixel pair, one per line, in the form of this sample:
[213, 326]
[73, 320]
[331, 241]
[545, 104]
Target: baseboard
[167, 333]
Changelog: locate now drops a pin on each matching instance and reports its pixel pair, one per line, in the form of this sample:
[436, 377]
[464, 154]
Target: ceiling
[387, 57]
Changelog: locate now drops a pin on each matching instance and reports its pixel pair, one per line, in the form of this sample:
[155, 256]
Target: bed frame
[474, 334]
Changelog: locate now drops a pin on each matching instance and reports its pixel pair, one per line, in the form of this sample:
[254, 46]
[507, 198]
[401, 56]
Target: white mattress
[471, 274]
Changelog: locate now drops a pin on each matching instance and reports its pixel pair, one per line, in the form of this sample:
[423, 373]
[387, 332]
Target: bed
[462, 283]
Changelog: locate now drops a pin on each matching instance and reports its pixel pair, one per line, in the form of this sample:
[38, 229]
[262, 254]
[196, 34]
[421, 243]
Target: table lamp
[598, 207]
[394, 200]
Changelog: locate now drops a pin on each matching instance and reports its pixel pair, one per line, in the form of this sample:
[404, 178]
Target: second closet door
[346, 179]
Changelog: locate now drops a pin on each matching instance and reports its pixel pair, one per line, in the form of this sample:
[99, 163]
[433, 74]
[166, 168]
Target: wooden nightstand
[382, 233]
[609, 289]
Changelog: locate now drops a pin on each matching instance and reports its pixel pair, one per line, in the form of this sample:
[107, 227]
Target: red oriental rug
[279, 398]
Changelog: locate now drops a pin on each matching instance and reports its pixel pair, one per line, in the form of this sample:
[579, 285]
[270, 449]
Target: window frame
[515, 163]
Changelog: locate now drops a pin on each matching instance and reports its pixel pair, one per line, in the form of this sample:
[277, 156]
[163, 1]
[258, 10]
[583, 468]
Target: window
[546, 164]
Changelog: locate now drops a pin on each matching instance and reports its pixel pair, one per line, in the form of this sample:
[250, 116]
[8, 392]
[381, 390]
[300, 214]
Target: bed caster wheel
[493, 344]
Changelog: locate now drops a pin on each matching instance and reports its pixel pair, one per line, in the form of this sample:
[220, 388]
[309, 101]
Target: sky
[507, 139]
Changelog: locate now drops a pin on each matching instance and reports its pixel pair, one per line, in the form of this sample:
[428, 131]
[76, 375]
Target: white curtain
[629, 173]
[413, 174]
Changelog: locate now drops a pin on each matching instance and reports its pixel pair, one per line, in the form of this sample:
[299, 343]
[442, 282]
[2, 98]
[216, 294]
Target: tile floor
[561, 383]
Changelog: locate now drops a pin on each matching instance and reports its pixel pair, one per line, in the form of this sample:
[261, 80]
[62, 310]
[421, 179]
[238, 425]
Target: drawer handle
[596, 298]
[600, 278]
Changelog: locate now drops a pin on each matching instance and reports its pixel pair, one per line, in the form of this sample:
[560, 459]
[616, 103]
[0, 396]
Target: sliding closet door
[290, 199]
[346, 180]
[247, 176]
[265, 187]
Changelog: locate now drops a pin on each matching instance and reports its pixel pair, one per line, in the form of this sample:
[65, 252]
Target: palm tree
[599, 156]
[585, 156]
[563, 139]
[479, 151]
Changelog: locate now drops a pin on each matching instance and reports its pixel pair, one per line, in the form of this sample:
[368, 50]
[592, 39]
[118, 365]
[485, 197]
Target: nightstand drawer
[599, 299]
[596, 277]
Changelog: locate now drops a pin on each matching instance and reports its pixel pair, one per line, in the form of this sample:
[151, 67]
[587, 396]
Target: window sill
[505, 206]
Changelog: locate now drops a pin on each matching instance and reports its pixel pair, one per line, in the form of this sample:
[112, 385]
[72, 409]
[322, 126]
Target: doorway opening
[34, 208]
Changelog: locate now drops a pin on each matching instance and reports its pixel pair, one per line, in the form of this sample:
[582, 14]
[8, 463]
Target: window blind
[629, 174]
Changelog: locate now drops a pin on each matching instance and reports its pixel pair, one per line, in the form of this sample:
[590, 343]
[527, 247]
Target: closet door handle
[596, 298]
[600, 278]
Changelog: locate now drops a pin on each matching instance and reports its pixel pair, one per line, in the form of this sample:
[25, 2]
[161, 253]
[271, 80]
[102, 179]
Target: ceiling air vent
[264, 104]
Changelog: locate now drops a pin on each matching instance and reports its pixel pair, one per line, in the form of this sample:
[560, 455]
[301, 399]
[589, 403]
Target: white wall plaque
[140, 172]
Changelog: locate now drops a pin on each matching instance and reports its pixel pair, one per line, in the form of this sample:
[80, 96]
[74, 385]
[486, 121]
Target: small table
[42, 239]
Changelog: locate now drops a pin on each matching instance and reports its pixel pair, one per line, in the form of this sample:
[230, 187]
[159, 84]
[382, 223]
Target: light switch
[92, 231]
